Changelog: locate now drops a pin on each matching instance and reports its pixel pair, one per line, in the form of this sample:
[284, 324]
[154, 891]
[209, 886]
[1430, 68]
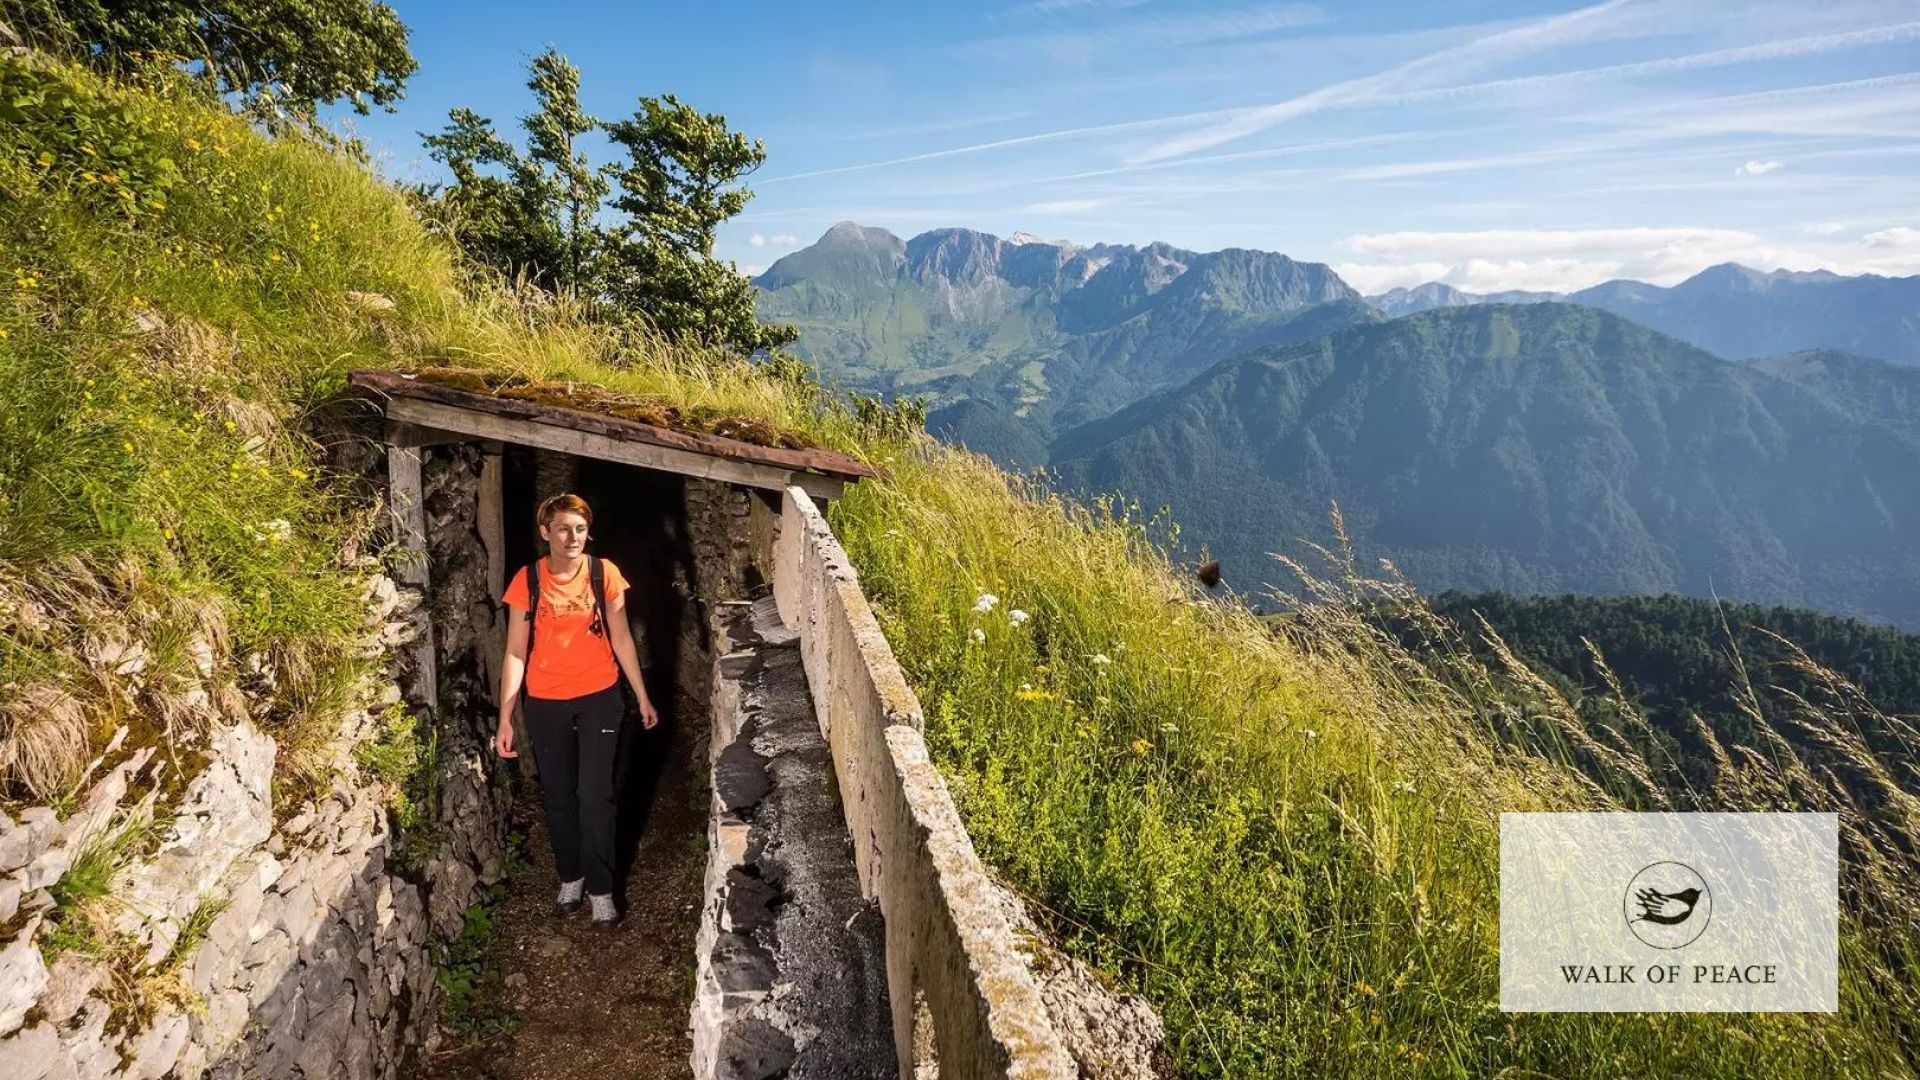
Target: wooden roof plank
[566, 439]
[396, 386]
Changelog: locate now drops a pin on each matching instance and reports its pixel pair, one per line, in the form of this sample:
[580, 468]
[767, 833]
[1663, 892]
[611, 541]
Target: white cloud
[1479, 54]
[1517, 243]
[1898, 238]
[751, 269]
[1065, 206]
[784, 240]
[1565, 260]
[756, 240]
[1371, 279]
[1533, 275]
[1105, 36]
[1757, 168]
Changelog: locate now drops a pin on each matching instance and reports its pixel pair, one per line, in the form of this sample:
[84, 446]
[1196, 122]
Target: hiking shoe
[606, 914]
[572, 894]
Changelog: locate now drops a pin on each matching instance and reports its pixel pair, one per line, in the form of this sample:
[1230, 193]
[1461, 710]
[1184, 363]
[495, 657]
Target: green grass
[407, 761]
[1285, 840]
[178, 297]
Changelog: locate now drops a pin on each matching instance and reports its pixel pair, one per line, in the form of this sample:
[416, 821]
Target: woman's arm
[513, 669]
[620, 635]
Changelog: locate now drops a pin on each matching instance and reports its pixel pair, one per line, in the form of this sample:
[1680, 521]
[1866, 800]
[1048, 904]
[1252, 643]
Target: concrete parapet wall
[962, 996]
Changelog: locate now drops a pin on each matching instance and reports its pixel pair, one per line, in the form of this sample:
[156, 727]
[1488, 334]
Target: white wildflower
[1310, 733]
[986, 602]
[1016, 616]
[979, 634]
[273, 532]
[1102, 659]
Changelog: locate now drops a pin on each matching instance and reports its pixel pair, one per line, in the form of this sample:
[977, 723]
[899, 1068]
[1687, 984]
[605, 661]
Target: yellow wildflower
[1140, 747]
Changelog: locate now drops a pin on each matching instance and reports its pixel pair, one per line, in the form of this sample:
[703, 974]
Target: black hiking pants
[575, 745]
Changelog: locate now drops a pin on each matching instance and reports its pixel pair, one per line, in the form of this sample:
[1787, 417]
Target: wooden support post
[406, 499]
[492, 521]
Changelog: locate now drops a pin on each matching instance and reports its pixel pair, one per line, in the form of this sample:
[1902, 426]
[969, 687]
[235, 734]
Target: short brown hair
[568, 503]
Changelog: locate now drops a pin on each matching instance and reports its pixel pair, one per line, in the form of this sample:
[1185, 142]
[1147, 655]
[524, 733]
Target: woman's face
[566, 534]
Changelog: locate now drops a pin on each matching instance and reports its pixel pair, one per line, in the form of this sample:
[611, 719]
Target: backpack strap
[597, 575]
[533, 600]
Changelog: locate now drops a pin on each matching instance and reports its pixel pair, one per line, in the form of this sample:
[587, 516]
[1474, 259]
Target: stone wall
[965, 1001]
[309, 956]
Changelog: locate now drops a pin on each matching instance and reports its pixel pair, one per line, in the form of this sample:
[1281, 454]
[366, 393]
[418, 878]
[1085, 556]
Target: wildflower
[193, 144]
[274, 532]
[1101, 659]
[1366, 988]
[5, 333]
[297, 474]
[986, 602]
[1310, 733]
[979, 634]
[1140, 747]
[127, 446]
[273, 256]
[1403, 786]
[1016, 616]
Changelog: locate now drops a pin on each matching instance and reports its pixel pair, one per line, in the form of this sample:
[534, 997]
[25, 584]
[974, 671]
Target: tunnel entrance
[640, 525]
[690, 520]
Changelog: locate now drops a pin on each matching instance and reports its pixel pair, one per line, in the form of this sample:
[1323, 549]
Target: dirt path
[588, 1005]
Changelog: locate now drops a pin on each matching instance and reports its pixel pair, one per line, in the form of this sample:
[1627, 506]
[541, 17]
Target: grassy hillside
[179, 294]
[1286, 841]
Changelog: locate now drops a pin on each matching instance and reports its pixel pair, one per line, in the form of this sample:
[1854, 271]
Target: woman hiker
[573, 708]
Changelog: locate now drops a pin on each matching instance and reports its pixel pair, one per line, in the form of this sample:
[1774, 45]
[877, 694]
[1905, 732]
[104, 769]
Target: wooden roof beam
[438, 418]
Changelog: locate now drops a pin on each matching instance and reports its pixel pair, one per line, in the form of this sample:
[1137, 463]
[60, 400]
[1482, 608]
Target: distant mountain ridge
[1014, 339]
[1539, 448]
[1735, 312]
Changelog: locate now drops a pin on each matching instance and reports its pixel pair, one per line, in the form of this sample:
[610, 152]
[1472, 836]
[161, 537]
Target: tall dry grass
[1284, 832]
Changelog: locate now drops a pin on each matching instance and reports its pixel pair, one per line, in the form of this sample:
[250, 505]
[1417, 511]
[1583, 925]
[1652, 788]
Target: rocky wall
[247, 938]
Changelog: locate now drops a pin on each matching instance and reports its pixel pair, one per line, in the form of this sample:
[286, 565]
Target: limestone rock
[22, 977]
[71, 979]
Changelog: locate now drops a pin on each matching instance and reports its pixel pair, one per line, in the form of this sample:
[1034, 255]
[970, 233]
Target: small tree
[538, 218]
[297, 53]
[681, 180]
[540, 213]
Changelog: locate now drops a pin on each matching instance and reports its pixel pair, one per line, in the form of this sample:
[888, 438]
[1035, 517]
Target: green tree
[646, 256]
[297, 54]
[681, 180]
[528, 213]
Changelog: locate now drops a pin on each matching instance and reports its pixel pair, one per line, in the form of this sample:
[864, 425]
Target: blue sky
[1490, 145]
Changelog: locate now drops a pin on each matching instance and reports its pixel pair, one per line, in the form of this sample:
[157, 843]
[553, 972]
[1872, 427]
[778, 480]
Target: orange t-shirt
[568, 659]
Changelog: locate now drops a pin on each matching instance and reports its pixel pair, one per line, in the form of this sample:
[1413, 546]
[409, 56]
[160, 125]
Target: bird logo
[1667, 909]
[1668, 905]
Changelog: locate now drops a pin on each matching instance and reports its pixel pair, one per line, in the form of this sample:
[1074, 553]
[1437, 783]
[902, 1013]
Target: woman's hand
[503, 738]
[648, 717]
